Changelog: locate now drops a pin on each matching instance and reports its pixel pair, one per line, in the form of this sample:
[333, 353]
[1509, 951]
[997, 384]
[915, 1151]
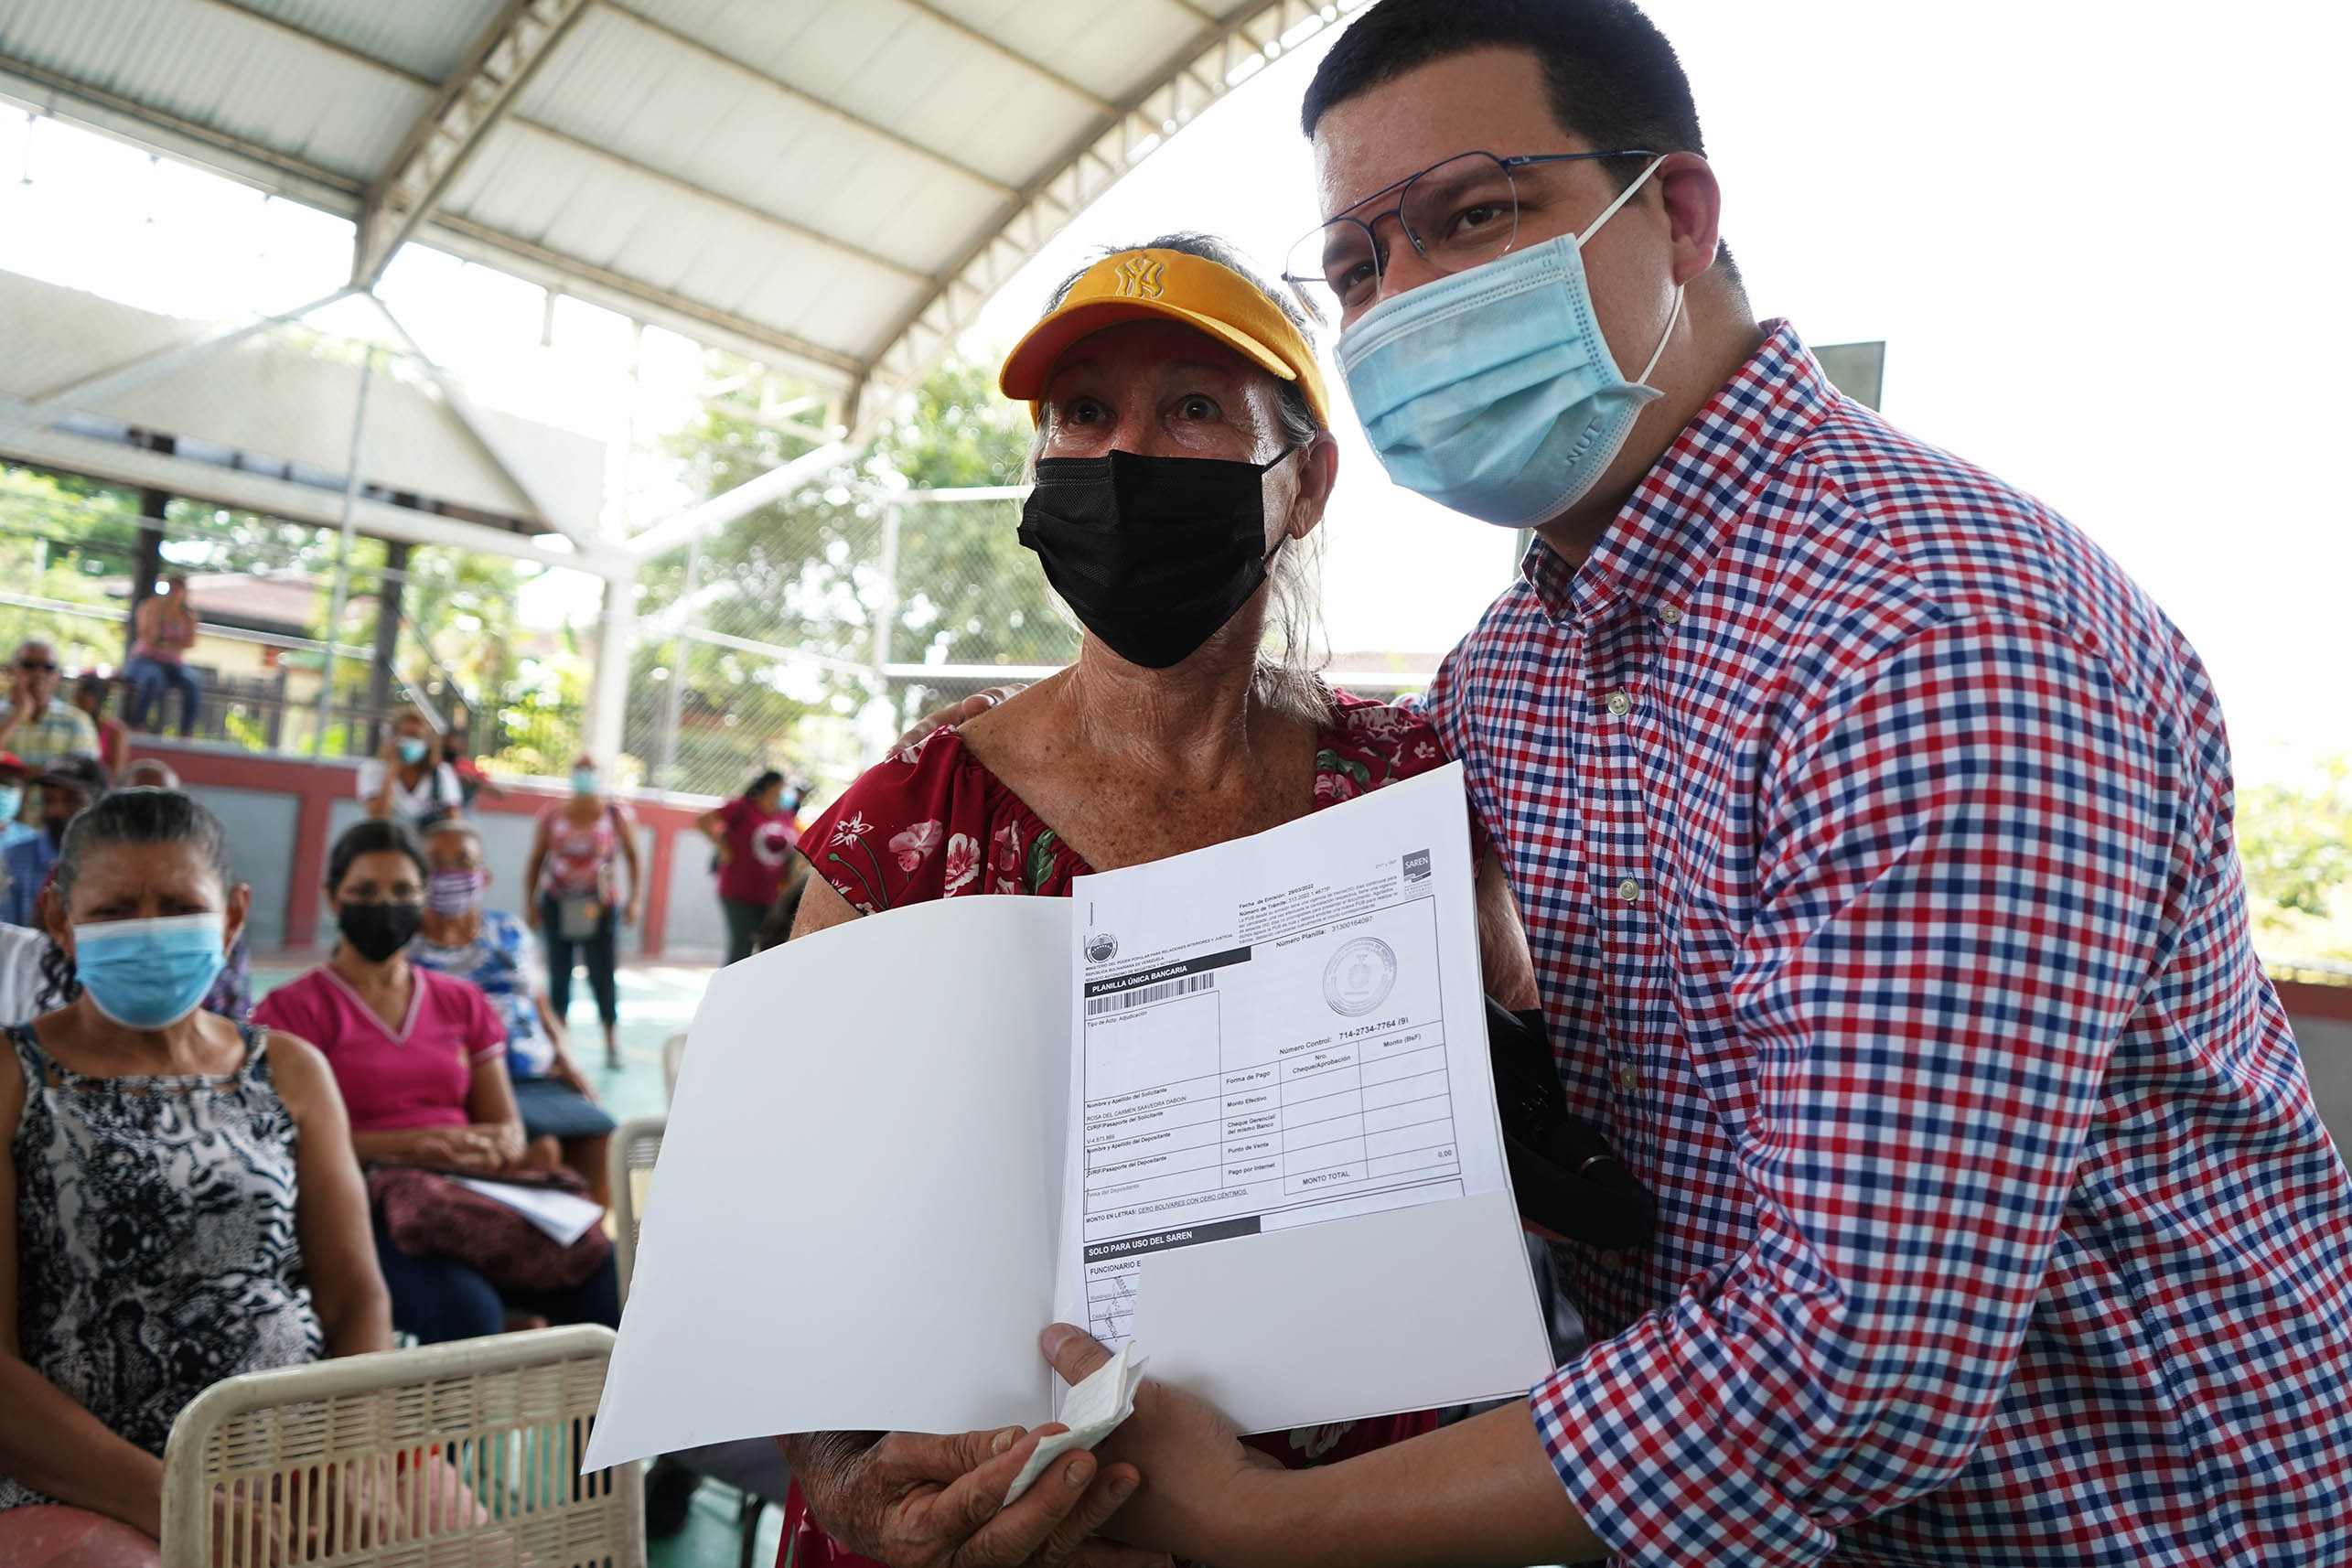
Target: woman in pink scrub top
[421, 1059]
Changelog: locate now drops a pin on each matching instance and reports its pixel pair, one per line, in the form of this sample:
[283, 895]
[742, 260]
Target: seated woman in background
[421, 1059]
[182, 1204]
[491, 951]
[1184, 448]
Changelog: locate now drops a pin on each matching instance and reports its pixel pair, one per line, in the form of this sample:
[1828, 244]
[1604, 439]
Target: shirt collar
[1670, 529]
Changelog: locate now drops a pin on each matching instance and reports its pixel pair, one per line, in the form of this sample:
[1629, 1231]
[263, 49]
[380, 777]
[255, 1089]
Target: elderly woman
[181, 1203]
[1184, 462]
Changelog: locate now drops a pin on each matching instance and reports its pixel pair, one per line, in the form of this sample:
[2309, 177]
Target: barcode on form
[1144, 997]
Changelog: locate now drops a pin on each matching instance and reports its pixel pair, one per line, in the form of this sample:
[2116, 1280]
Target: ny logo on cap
[1139, 278]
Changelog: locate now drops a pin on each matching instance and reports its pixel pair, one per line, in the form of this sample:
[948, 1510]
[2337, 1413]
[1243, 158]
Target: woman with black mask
[421, 1060]
[1184, 463]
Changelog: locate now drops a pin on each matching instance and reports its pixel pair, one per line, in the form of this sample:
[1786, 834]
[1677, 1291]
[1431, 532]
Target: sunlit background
[2101, 241]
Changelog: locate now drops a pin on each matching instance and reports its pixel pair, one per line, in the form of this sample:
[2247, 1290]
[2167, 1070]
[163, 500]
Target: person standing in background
[166, 624]
[34, 724]
[114, 736]
[457, 757]
[404, 782]
[753, 839]
[575, 903]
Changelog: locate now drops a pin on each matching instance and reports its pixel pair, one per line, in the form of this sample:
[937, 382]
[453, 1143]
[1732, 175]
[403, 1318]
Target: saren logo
[1101, 947]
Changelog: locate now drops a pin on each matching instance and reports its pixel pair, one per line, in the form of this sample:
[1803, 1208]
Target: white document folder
[883, 1173]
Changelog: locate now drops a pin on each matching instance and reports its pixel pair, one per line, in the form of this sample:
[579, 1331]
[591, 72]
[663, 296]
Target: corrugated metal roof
[834, 186]
[277, 404]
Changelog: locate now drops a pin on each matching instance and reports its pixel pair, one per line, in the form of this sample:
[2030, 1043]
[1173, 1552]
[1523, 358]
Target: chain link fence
[806, 635]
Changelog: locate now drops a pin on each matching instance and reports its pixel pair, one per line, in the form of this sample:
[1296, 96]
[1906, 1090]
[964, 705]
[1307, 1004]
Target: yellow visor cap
[1169, 286]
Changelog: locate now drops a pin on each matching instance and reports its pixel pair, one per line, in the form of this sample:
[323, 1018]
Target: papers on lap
[1241, 1097]
[557, 1215]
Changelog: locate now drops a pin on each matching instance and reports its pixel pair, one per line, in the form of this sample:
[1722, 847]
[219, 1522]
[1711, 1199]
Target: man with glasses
[34, 724]
[1873, 832]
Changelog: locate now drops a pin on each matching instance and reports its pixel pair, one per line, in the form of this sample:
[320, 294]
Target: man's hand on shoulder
[958, 713]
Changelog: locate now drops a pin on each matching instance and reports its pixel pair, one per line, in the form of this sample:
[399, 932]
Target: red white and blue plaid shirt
[1873, 835]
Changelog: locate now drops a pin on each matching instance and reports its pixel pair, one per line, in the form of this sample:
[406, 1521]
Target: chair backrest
[465, 1453]
[628, 1160]
[673, 1057]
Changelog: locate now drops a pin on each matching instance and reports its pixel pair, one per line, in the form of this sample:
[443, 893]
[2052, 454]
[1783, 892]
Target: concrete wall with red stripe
[283, 813]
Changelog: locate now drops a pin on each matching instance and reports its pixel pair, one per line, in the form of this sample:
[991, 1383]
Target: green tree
[806, 574]
[60, 538]
[2295, 843]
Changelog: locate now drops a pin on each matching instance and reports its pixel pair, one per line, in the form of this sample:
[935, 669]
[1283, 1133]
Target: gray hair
[1293, 651]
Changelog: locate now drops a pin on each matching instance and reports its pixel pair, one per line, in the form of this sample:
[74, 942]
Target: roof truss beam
[90, 391]
[1217, 60]
[448, 135]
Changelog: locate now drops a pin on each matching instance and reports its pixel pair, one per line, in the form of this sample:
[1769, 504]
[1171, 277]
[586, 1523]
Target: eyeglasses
[39, 665]
[1457, 214]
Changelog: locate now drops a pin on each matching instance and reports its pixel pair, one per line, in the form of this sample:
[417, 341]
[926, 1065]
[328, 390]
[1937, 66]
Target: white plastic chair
[628, 1161]
[752, 1466]
[458, 1456]
[673, 1057]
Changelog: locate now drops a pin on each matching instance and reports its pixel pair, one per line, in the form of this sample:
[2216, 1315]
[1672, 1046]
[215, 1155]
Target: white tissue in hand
[1093, 1411]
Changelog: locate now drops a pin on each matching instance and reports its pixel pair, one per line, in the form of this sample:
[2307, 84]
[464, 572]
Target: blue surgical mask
[1493, 392]
[412, 750]
[12, 801]
[147, 974]
[584, 781]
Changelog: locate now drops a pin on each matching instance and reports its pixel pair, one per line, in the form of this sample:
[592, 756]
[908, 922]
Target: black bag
[1563, 1172]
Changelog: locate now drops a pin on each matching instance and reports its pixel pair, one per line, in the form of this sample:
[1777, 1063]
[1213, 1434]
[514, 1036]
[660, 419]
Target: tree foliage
[807, 574]
[2295, 843]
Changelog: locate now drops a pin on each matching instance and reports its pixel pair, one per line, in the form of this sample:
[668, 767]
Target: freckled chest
[1113, 813]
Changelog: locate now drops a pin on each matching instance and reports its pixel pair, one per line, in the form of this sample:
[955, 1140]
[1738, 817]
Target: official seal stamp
[1359, 976]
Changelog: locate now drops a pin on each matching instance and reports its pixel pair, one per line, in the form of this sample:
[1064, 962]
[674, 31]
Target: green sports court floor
[656, 1001]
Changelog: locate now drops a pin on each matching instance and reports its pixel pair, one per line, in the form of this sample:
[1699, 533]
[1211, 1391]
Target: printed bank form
[1234, 1104]
[1277, 1032]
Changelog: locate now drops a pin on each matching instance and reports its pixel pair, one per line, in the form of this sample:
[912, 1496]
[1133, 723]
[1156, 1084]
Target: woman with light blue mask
[406, 781]
[182, 1203]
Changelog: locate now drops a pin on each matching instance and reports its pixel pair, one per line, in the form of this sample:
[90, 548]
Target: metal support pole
[391, 595]
[683, 649]
[886, 608]
[339, 600]
[609, 694]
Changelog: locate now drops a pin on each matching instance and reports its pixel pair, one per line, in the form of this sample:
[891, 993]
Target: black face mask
[376, 932]
[1152, 554]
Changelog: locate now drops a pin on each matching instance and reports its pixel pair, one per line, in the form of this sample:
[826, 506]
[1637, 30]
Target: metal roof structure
[831, 186]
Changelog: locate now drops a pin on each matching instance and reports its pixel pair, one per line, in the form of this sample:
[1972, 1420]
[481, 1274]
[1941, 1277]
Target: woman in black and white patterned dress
[181, 1201]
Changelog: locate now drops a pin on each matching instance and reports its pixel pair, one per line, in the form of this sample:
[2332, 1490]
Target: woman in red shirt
[752, 838]
[1175, 464]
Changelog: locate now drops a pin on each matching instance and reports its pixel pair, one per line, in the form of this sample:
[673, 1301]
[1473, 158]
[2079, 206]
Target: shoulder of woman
[289, 1005]
[885, 840]
[299, 1069]
[1365, 745]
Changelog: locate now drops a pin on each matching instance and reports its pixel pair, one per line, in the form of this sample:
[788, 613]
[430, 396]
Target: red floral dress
[931, 822]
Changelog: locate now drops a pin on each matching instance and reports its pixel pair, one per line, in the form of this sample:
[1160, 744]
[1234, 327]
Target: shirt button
[1669, 614]
[1620, 703]
[1629, 1077]
[1629, 890]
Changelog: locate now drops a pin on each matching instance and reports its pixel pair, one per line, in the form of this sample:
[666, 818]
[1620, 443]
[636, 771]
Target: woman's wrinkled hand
[915, 1501]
